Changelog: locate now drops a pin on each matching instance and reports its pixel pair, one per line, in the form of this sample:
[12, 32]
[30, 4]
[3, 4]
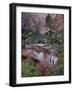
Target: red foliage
[42, 67]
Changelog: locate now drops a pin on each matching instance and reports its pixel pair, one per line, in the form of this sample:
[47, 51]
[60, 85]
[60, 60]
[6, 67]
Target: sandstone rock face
[36, 21]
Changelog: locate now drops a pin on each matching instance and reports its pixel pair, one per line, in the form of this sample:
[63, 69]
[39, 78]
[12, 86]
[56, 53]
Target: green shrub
[29, 68]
